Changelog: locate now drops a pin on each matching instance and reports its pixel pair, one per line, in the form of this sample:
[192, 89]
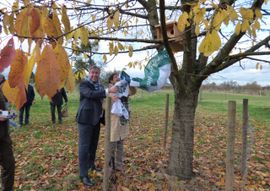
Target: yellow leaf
[48, 73]
[21, 24]
[16, 73]
[15, 95]
[115, 51]
[215, 40]
[26, 2]
[65, 19]
[111, 48]
[130, 51]
[116, 20]
[8, 24]
[29, 67]
[70, 83]
[48, 25]
[258, 13]
[57, 25]
[232, 13]
[237, 28]
[197, 30]
[120, 46]
[245, 26]
[63, 62]
[104, 58]
[183, 22]
[84, 34]
[109, 23]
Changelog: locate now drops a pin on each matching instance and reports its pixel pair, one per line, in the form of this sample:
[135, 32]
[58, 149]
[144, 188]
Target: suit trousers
[59, 108]
[25, 108]
[88, 142]
[7, 162]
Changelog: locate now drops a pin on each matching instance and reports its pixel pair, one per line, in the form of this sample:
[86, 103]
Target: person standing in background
[57, 101]
[30, 96]
[88, 118]
[7, 161]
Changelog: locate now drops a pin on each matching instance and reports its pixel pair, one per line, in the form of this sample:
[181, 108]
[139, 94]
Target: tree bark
[181, 151]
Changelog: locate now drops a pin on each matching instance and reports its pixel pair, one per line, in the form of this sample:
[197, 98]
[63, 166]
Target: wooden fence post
[106, 176]
[244, 136]
[244, 144]
[229, 180]
[166, 120]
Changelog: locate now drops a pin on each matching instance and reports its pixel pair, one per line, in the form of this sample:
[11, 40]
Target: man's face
[94, 75]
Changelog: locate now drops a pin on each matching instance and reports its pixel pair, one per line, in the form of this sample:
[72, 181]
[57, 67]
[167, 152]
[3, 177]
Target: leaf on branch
[120, 46]
[15, 95]
[237, 28]
[34, 20]
[65, 19]
[63, 61]
[116, 19]
[48, 73]
[16, 74]
[7, 55]
[109, 23]
[183, 22]
[104, 58]
[29, 67]
[21, 24]
[130, 51]
[84, 35]
[70, 83]
[8, 23]
[111, 48]
[115, 51]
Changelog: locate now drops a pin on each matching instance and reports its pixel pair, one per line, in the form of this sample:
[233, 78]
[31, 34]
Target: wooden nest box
[174, 35]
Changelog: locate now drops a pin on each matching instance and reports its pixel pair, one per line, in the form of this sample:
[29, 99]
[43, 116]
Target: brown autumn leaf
[21, 24]
[48, 73]
[16, 74]
[7, 55]
[34, 22]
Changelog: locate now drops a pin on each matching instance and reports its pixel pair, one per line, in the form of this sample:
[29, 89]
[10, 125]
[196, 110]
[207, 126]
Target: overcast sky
[247, 73]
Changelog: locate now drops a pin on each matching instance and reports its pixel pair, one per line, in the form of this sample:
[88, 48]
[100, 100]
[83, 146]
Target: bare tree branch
[165, 38]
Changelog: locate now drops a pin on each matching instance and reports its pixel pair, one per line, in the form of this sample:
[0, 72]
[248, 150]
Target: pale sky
[234, 73]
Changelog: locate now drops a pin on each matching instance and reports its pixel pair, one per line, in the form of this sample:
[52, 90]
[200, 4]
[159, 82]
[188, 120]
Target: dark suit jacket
[57, 99]
[90, 108]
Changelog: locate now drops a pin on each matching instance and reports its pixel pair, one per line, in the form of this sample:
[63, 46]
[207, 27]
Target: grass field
[46, 155]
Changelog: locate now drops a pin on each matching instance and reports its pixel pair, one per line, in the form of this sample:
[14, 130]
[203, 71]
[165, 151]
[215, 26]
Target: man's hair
[94, 67]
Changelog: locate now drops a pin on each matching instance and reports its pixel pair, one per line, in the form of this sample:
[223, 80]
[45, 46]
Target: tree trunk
[181, 151]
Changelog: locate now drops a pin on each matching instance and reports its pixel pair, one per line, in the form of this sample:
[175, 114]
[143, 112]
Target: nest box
[175, 37]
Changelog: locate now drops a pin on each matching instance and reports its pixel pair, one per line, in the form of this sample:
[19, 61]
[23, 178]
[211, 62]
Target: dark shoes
[95, 168]
[87, 181]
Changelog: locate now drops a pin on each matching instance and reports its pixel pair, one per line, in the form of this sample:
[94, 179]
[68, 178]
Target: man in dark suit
[7, 161]
[88, 118]
[30, 96]
[57, 101]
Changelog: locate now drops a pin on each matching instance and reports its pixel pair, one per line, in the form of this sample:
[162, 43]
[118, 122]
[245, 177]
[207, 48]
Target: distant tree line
[232, 86]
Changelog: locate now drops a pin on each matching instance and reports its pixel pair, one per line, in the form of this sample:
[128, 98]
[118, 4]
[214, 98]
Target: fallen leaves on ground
[47, 159]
